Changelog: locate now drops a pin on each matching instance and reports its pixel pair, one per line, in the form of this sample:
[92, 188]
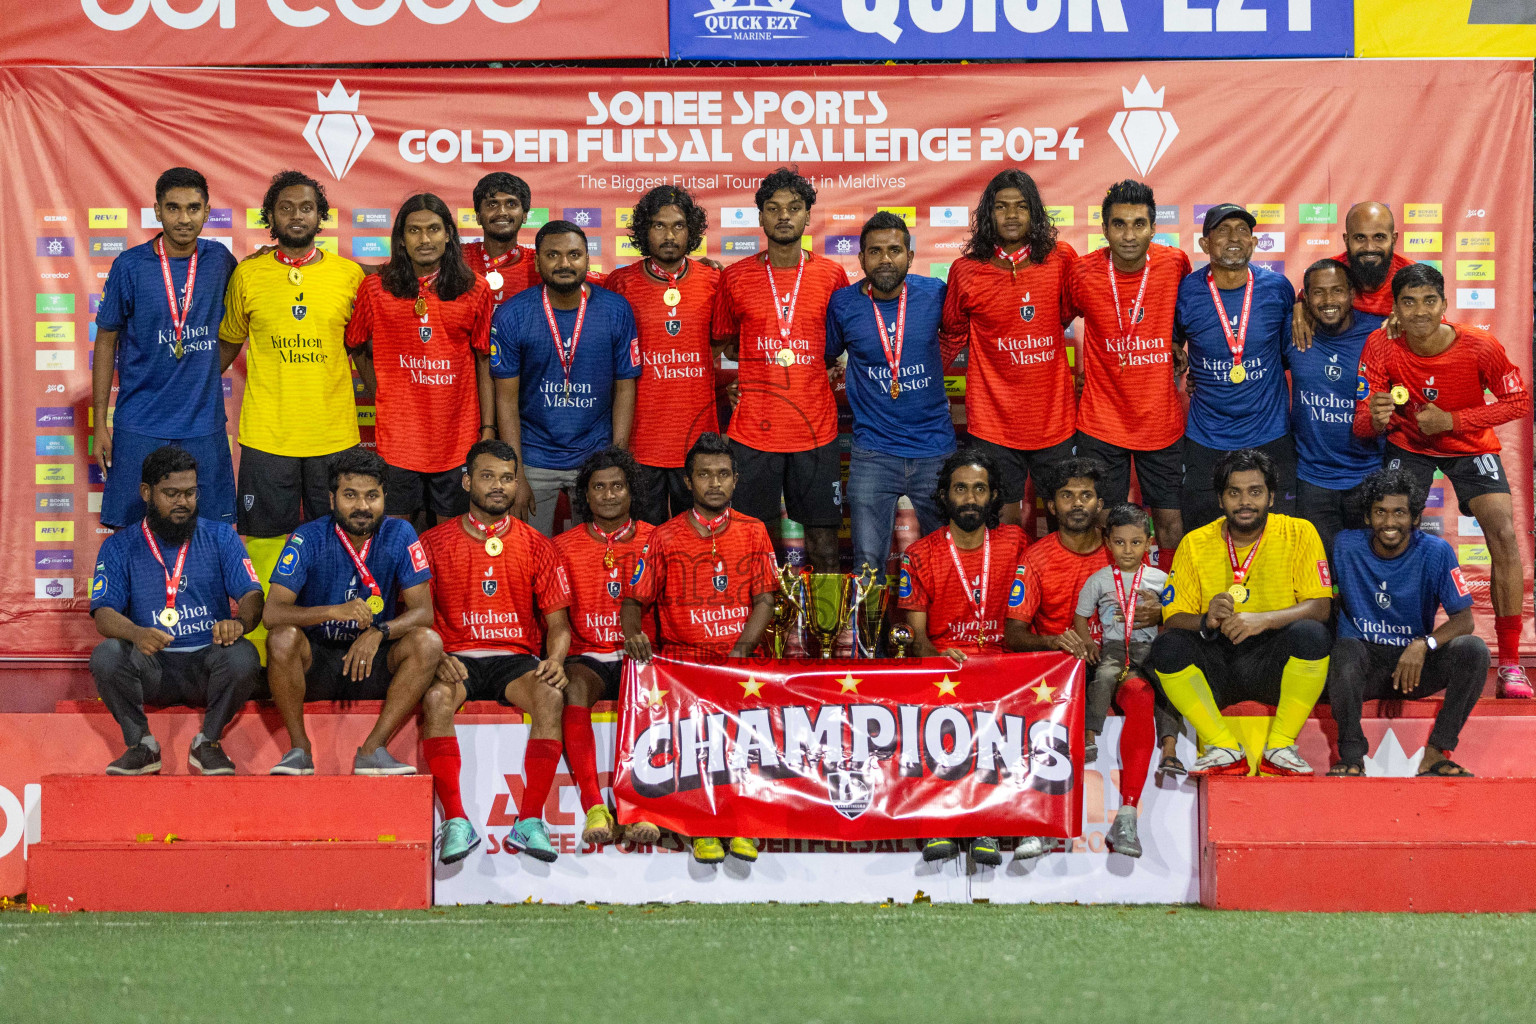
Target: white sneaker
[1284, 761]
[1220, 761]
[1031, 847]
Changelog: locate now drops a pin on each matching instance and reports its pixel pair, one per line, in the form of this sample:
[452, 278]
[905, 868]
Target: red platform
[242, 843]
[1456, 845]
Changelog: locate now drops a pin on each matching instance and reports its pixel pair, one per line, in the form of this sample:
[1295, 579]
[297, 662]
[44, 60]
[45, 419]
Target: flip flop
[1346, 769]
[1171, 765]
[1445, 768]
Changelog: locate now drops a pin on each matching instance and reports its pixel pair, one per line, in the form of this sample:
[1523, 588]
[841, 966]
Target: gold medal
[493, 280]
[493, 546]
[177, 350]
[421, 305]
[1399, 395]
[608, 560]
[295, 276]
[169, 617]
[1238, 593]
[1238, 374]
[785, 357]
[671, 296]
[1125, 674]
[375, 603]
[895, 389]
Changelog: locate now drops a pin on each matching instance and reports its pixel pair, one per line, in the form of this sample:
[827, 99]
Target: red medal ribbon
[359, 560]
[1127, 609]
[1236, 341]
[709, 526]
[980, 607]
[892, 345]
[567, 357]
[494, 530]
[172, 576]
[610, 538]
[1014, 259]
[655, 268]
[289, 261]
[1114, 289]
[1240, 573]
[178, 314]
[509, 256]
[794, 297]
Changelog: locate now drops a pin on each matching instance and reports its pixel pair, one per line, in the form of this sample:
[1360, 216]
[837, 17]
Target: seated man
[161, 599]
[499, 595]
[1244, 617]
[349, 616]
[1392, 576]
[710, 574]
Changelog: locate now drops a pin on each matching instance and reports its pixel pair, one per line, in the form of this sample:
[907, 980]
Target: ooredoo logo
[1143, 130]
[338, 134]
[307, 17]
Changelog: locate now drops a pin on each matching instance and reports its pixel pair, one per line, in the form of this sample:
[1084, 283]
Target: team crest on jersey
[489, 586]
[1333, 371]
[614, 589]
[299, 309]
[719, 581]
[673, 326]
[1383, 599]
[426, 334]
[1026, 313]
[1430, 393]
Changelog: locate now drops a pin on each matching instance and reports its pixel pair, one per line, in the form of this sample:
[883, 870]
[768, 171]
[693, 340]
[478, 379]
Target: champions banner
[854, 749]
[1297, 142]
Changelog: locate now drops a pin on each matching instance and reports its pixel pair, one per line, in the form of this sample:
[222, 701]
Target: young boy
[1119, 677]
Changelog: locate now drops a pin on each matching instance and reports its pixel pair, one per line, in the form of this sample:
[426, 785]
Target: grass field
[771, 963]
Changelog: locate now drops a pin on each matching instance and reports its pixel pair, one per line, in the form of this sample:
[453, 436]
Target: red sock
[1507, 629]
[443, 763]
[1165, 558]
[1137, 738]
[539, 763]
[581, 753]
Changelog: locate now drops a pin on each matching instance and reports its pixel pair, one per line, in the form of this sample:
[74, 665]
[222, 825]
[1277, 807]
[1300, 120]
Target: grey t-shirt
[1099, 595]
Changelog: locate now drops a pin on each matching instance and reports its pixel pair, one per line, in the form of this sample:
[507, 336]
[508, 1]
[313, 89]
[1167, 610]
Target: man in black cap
[1236, 322]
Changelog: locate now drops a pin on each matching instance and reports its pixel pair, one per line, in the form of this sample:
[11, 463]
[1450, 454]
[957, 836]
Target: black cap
[1225, 211]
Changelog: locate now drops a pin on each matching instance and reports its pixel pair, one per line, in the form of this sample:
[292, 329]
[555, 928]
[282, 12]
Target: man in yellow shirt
[1244, 614]
[293, 303]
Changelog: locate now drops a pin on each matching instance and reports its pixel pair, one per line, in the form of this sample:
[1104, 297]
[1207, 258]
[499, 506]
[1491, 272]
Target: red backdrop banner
[1298, 142]
[853, 749]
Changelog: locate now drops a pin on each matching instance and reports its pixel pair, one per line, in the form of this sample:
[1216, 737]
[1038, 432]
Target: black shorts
[1020, 464]
[661, 493]
[408, 492]
[610, 672]
[273, 488]
[1197, 501]
[1471, 475]
[810, 483]
[326, 679]
[489, 675]
[1159, 472]
[1250, 670]
[1330, 510]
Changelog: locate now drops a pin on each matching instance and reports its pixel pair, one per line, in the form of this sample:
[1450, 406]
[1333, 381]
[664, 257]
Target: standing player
[1130, 410]
[1331, 461]
[1370, 252]
[771, 314]
[710, 575]
[298, 412]
[420, 333]
[156, 326]
[559, 400]
[600, 554]
[1237, 324]
[889, 325]
[499, 595]
[672, 298]
[349, 617]
[1424, 391]
[502, 202]
[1007, 302]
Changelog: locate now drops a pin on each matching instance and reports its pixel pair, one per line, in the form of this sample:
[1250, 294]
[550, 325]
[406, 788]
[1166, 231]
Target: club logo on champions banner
[338, 133]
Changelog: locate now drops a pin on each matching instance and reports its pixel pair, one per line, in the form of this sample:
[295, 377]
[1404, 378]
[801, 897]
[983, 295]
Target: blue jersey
[1393, 600]
[1224, 415]
[1328, 454]
[217, 570]
[158, 394]
[916, 425]
[560, 430]
[316, 567]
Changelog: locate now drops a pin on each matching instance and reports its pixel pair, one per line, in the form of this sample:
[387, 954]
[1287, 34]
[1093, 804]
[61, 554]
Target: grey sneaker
[136, 760]
[296, 762]
[380, 762]
[208, 758]
[1121, 837]
[1031, 847]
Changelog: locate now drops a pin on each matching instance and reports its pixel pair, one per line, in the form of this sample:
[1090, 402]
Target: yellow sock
[1191, 694]
[264, 552]
[1300, 685]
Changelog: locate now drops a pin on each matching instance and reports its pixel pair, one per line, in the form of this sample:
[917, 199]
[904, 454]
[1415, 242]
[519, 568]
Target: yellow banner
[1444, 28]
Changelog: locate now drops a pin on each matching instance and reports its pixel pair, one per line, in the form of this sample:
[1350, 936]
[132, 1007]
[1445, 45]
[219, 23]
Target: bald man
[1370, 250]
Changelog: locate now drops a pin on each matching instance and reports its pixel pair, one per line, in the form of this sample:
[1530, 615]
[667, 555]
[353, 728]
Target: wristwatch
[382, 627]
[1431, 642]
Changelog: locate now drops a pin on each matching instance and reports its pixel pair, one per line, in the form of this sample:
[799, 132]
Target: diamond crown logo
[338, 133]
[1143, 131]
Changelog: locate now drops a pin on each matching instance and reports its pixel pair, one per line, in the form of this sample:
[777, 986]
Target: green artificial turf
[828, 963]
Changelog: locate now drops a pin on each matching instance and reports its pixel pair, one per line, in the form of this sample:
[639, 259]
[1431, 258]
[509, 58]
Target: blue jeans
[875, 482]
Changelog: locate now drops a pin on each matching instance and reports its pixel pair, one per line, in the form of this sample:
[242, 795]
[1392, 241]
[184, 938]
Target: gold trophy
[870, 597]
[830, 609]
[901, 638]
[788, 609]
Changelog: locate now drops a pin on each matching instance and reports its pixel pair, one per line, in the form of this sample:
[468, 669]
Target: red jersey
[427, 403]
[929, 583]
[675, 398]
[597, 590]
[1018, 349]
[1454, 381]
[1130, 397]
[703, 601]
[784, 408]
[1048, 580]
[486, 605]
[1378, 301]
[518, 269]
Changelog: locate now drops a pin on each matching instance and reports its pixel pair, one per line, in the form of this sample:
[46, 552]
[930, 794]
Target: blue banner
[1018, 29]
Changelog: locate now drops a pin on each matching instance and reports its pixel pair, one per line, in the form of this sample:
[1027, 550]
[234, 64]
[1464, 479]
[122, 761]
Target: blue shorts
[120, 503]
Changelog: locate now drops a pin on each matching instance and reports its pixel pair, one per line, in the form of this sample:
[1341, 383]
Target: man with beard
[1425, 392]
[1331, 461]
[565, 357]
[1245, 615]
[1006, 303]
[889, 326]
[771, 318]
[420, 333]
[499, 599]
[710, 575]
[298, 412]
[501, 202]
[600, 554]
[673, 298]
[1130, 409]
[1236, 322]
[157, 326]
[160, 598]
[1392, 578]
[349, 616]
[1370, 252]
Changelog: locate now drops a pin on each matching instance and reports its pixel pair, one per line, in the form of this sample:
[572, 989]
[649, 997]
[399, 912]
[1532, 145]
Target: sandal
[1171, 765]
[1350, 769]
[1444, 768]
